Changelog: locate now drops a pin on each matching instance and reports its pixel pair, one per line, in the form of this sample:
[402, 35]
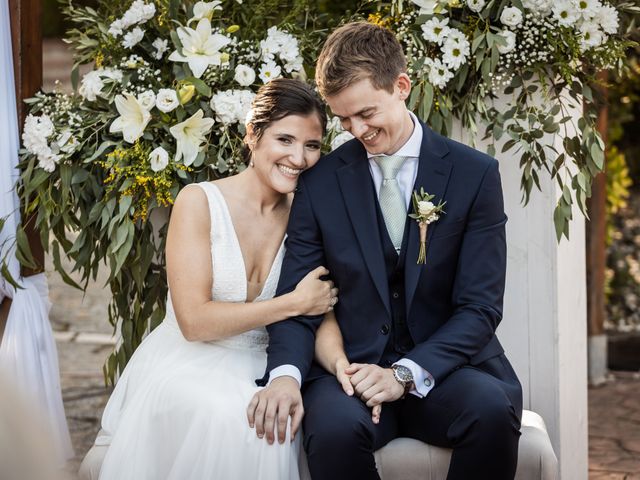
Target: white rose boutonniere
[425, 212]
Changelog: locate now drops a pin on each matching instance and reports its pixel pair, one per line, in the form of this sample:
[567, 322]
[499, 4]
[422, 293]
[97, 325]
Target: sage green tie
[392, 202]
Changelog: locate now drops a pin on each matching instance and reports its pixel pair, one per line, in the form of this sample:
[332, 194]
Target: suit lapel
[433, 175]
[357, 190]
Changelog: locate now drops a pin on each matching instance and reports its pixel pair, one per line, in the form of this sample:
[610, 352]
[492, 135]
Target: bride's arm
[330, 352]
[331, 355]
[190, 277]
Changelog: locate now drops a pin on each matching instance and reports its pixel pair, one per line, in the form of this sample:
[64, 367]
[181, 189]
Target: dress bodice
[229, 272]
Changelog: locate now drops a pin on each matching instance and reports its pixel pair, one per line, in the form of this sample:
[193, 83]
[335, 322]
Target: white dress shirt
[406, 178]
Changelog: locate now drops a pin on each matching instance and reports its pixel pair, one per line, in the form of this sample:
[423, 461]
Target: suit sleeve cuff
[423, 381]
[285, 371]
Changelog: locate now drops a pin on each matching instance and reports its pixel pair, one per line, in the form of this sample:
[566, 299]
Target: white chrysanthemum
[244, 75]
[607, 18]
[455, 36]
[565, 13]
[147, 99]
[91, 86]
[159, 159]
[510, 38]
[476, 5]
[268, 71]
[161, 47]
[540, 7]
[167, 100]
[341, 138]
[435, 30]
[132, 38]
[204, 10]
[591, 35]
[587, 8]
[511, 17]
[439, 74]
[284, 46]
[138, 13]
[232, 106]
[454, 53]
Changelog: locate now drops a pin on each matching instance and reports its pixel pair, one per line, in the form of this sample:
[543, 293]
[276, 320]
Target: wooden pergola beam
[26, 35]
[26, 41]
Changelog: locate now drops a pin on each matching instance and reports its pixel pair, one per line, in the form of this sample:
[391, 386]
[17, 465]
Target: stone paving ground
[84, 339]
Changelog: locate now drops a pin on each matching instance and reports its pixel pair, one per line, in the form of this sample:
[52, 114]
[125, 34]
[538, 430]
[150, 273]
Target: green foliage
[547, 77]
[99, 200]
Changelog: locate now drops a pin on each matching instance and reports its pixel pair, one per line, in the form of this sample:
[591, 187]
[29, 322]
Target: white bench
[408, 459]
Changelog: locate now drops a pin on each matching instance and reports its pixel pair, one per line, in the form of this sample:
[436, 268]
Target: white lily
[190, 136]
[133, 118]
[205, 10]
[200, 47]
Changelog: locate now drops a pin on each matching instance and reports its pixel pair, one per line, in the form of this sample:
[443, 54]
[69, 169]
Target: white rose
[245, 75]
[147, 99]
[511, 17]
[161, 47]
[476, 5]
[167, 100]
[159, 159]
[132, 38]
[510, 38]
[425, 208]
[91, 86]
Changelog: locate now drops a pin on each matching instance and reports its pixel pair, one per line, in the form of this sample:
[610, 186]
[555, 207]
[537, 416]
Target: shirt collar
[412, 146]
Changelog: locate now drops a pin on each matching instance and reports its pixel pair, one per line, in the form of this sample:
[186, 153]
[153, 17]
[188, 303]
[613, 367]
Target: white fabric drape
[28, 351]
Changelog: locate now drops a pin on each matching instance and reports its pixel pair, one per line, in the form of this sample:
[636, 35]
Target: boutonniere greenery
[425, 212]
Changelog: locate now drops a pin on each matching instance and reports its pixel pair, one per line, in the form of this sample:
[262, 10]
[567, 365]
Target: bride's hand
[316, 296]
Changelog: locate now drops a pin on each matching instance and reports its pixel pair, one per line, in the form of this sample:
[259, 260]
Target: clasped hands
[272, 406]
[374, 385]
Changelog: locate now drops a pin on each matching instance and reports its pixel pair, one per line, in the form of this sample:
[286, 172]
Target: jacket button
[395, 295]
[384, 329]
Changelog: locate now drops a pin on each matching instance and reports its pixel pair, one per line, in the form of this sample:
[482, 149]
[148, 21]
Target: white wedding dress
[179, 409]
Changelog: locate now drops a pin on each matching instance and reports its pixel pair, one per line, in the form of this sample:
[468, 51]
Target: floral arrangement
[540, 53]
[166, 103]
[164, 106]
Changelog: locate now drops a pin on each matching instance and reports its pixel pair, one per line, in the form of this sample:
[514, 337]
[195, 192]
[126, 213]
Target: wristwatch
[403, 376]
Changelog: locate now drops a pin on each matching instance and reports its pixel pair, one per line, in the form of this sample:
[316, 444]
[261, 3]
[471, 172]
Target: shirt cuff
[423, 381]
[285, 371]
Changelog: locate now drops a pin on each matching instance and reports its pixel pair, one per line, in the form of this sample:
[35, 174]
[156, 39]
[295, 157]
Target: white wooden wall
[544, 325]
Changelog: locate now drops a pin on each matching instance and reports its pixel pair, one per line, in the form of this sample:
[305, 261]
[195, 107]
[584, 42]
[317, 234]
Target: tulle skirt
[179, 412]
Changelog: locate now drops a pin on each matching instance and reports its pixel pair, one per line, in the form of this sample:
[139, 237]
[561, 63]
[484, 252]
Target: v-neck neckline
[237, 243]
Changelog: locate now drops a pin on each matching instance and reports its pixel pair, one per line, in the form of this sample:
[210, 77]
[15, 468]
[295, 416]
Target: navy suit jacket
[453, 303]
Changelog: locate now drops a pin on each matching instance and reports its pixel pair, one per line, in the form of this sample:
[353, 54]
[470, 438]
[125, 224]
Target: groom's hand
[373, 384]
[274, 404]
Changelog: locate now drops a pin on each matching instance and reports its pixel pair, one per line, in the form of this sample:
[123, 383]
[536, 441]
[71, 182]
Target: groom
[421, 337]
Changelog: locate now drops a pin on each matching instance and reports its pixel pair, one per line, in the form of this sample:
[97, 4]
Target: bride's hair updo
[283, 97]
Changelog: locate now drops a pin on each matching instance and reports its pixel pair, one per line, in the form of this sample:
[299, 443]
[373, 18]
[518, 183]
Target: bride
[178, 411]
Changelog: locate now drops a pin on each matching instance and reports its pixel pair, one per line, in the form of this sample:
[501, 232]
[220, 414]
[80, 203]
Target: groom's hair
[356, 51]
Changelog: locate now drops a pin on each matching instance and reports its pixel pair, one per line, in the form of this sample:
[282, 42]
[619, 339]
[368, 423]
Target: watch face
[403, 373]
